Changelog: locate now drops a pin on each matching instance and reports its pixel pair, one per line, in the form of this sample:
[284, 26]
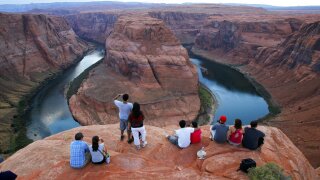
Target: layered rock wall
[290, 72]
[158, 160]
[144, 59]
[32, 48]
[93, 26]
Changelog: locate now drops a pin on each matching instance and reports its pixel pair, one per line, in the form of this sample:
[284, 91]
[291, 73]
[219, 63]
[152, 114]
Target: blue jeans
[174, 140]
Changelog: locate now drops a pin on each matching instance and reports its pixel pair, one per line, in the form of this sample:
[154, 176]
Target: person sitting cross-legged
[97, 150]
[219, 130]
[79, 152]
[196, 135]
[182, 135]
[235, 133]
[252, 138]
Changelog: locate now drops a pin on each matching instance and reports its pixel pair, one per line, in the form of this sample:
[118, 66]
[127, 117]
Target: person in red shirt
[196, 135]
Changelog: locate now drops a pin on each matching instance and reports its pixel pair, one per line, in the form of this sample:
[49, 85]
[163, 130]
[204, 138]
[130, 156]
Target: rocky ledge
[145, 60]
[49, 158]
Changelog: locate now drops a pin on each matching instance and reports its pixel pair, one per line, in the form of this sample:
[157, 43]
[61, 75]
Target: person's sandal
[121, 138]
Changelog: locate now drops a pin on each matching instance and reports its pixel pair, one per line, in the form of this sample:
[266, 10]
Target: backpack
[246, 164]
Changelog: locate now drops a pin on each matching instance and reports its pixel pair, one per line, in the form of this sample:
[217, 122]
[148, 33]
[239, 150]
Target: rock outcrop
[33, 48]
[290, 72]
[144, 59]
[93, 26]
[49, 158]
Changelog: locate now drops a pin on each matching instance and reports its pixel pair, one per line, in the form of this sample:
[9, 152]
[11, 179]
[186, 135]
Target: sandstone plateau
[33, 48]
[49, 158]
[145, 60]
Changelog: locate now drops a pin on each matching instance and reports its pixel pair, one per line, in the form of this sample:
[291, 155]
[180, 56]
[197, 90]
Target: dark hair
[182, 123]
[136, 112]
[254, 124]
[95, 143]
[238, 124]
[125, 97]
[194, 124]
[78, 136]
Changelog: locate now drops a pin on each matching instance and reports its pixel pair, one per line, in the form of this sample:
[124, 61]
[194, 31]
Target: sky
[269, 2]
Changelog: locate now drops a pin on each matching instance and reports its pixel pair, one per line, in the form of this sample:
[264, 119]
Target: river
[49, 113]
[236, 96]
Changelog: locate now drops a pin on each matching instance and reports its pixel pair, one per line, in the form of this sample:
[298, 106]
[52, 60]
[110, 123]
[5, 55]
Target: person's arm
[214, 127]
[104, 147]
[231, 130]
[86, 148]
[116, 97]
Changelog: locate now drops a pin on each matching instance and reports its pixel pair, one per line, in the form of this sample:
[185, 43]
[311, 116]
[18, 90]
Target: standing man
[124, 110]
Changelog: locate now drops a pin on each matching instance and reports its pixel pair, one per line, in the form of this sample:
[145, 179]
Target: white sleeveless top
[96, 156]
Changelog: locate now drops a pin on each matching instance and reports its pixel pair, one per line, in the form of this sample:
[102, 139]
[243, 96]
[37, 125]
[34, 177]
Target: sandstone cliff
[33, 48]
[290, 72]
[184, 25]
[49, 158]
[145, 60]
[93, 26]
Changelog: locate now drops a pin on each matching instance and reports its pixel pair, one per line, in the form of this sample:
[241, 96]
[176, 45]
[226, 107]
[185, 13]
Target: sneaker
[130, 141]
[144, 144]
[137, 147]
[121, 138]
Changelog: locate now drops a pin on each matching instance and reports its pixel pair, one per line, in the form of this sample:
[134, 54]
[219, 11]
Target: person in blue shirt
[79, 152]
[219, 130]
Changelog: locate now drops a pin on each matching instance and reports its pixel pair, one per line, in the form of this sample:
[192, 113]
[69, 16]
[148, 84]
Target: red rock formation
[93, 26]
[291, 73]
[145, 60]
[33, 48]
[49, 158]
[241, 38]
[184, 25]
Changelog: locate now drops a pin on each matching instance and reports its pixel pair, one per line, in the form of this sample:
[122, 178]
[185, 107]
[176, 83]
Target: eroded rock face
[159, 159]
[145, 60]
[242, 38]
[32, 48]
[290, 73]
[185, 25]
[93, 26]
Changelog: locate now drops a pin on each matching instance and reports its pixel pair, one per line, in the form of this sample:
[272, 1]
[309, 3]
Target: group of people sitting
[131, 119]
[249, 137]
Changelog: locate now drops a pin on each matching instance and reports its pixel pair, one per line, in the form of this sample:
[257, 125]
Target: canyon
[158, 160]
[245, 38]
[33, 48]
[144, 57]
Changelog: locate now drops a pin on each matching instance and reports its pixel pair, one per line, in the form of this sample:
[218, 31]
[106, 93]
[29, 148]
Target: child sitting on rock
[196, 135]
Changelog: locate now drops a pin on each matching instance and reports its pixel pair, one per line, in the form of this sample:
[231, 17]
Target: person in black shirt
[252, 138]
